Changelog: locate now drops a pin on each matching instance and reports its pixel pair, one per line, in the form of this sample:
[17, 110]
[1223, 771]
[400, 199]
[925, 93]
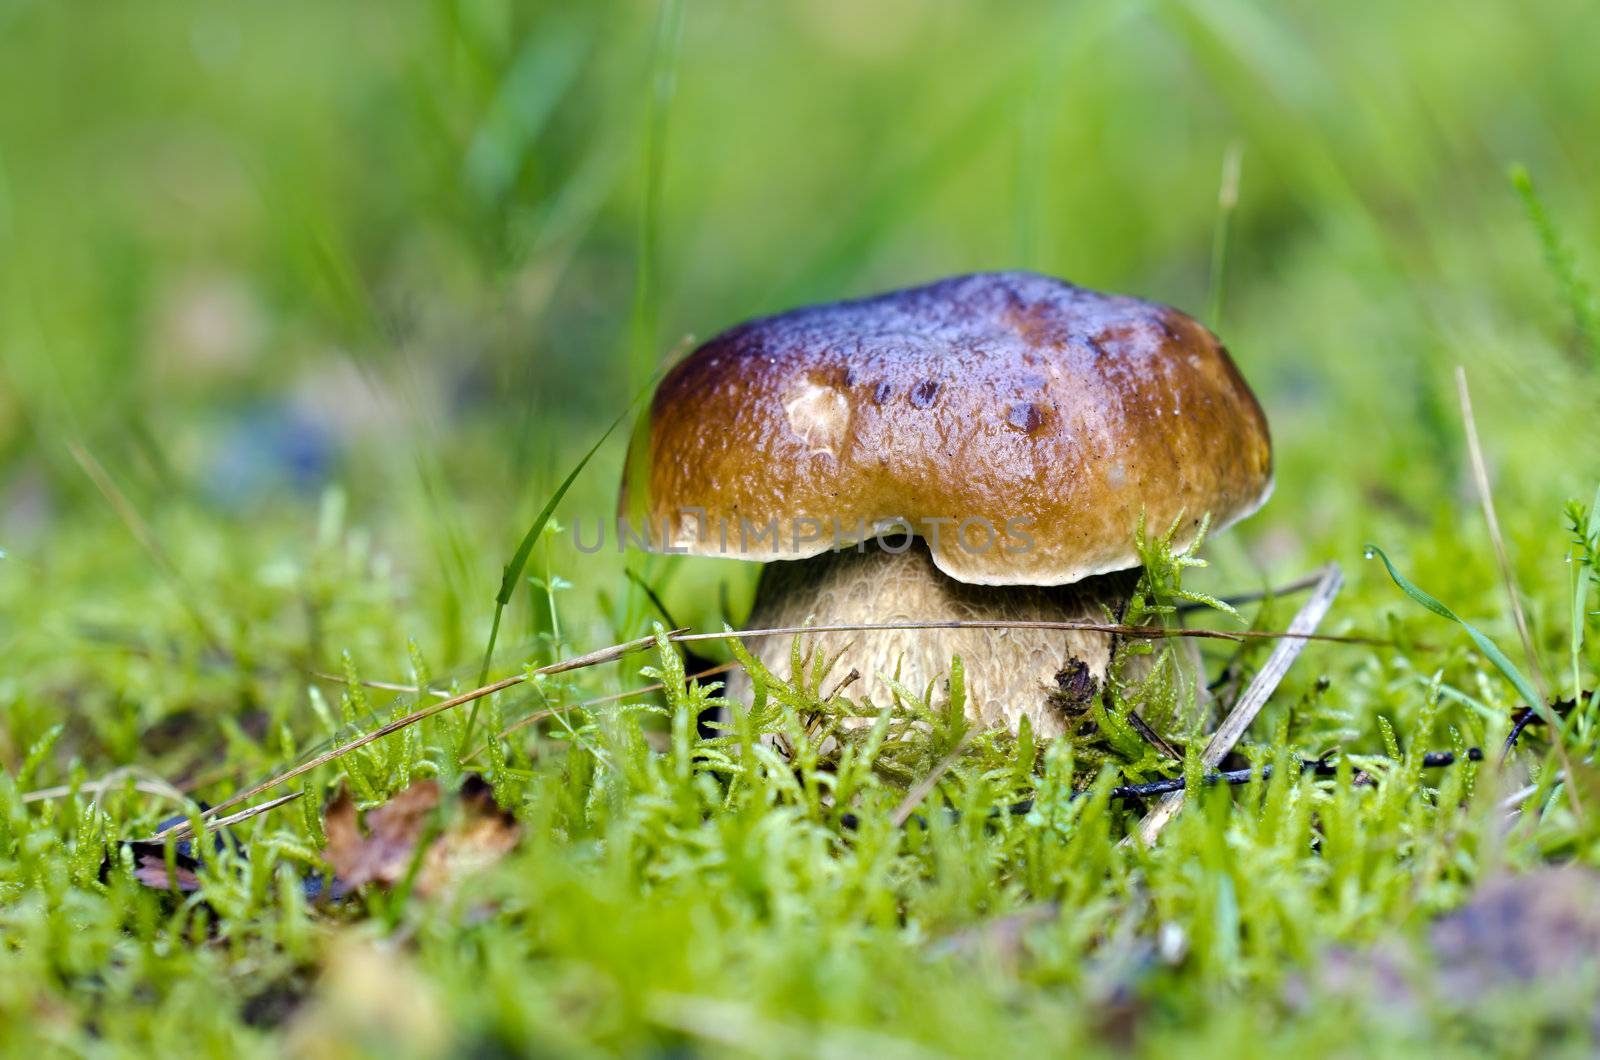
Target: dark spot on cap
[925, 393]
[881, 393]
[1025, 416]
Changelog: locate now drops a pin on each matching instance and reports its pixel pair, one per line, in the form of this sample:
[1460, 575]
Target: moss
[327, 380]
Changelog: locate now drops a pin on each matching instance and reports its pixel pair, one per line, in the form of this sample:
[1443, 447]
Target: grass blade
[1489, 648]
[1492, 652]
[519, 560]
[512, 573]
[146, 537]
[1480, 473]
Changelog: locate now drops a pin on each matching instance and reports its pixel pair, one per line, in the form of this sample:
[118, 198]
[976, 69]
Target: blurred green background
[336, 294]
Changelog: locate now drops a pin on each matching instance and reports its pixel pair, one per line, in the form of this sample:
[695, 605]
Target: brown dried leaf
[476, 834]
[484, 834]
[383, 853]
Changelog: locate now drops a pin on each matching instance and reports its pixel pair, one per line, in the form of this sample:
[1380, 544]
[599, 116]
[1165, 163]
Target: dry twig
[1255, 697]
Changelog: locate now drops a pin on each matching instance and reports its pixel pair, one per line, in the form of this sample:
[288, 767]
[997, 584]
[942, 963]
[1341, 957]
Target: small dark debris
[150, 859]
[272, 1006]
[1076, 688]
[151, 869]
[1524, 716]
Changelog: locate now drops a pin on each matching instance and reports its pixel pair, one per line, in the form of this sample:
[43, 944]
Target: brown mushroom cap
[1046, 416]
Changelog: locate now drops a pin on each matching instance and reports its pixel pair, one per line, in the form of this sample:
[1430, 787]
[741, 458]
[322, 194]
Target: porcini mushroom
[1012, 427]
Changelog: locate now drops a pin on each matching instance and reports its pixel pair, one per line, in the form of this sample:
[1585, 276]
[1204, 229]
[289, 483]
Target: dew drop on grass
[1368, 553]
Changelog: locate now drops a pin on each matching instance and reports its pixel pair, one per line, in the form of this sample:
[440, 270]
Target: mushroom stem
[1010, 673]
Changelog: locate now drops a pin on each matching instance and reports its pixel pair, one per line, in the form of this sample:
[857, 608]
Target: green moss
[394, 248]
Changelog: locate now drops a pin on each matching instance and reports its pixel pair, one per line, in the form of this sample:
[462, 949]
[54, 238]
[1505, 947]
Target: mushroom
[978, 448]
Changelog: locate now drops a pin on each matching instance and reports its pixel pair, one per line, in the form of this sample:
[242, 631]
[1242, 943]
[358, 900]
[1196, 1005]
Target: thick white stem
[1009, 672]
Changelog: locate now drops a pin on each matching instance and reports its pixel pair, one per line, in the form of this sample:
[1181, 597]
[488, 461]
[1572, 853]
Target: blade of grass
[1489, 648]
[512, 574]
[1480, 474]
[1498, 658]
[147, 539]
[146, 784]
[530, 90]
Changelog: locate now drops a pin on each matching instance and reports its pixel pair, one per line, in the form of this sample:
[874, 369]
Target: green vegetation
[308, 312]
